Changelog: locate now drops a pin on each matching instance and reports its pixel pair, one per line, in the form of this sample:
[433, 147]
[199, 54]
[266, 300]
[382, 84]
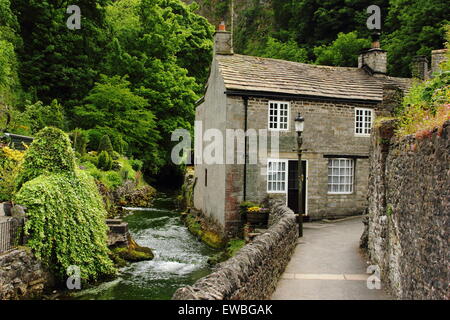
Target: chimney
[374, 60]
[437, 57]
[419, 68]
[223, 40]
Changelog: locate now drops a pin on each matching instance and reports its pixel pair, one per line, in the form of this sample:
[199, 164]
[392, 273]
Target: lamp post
[299, 126]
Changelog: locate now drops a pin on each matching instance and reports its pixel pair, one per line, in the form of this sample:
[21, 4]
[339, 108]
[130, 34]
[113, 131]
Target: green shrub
[10, 160]
[50, 152]
[117, 141]
[104, 161]
[80, 140]
[136, 164]
[90, 158]
[97, 174]
[116, 165]
[115, 155]
[105, 145]
[37, 116]
[65, 224]
[113, 178]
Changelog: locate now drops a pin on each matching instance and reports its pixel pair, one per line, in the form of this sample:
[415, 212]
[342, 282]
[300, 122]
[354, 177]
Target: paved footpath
[327, 264]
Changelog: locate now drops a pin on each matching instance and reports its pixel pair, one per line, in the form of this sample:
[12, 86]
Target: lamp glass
[299, 123]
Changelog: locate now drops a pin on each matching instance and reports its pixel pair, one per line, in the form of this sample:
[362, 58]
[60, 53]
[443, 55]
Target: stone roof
[249, 73]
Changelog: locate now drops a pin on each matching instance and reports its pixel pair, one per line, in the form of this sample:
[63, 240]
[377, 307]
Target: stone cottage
[339, 106]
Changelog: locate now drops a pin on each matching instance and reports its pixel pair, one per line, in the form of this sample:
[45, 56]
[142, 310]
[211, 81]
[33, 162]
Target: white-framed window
[340, 175]
[363, 121]
[278, 115]
[277, 176]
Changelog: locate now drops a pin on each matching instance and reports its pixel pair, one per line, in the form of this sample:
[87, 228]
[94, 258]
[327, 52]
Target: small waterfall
[180, 259]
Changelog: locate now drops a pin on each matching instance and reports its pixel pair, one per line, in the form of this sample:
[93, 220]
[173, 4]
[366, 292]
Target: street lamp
[299, 126]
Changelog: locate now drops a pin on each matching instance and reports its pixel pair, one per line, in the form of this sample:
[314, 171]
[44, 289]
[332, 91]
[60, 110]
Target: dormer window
[278, 116]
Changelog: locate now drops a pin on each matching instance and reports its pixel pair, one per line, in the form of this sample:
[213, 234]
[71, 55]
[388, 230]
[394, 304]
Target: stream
[180, 259]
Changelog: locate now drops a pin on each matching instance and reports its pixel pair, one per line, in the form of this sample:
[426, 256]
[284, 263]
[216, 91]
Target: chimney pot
[374, 60]
[223, 40]
[222, 26]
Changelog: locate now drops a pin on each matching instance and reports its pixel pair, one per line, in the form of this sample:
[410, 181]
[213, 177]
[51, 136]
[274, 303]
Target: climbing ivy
[50, 152]
[66, 223]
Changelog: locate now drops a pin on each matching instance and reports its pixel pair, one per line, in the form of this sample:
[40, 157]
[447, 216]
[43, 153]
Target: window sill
[339, 193]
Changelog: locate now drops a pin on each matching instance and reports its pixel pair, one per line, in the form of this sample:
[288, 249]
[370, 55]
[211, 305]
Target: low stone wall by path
[408, 223]
[254, 271]
[21, 275]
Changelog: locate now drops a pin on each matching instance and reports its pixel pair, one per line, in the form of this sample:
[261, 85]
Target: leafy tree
[342, 52]
[417, 27]
[150, 51]
[117, 141]
[38, 116]
[10, 89]
[112, 104]
[105, 145]
[284, 50]
[56, 62]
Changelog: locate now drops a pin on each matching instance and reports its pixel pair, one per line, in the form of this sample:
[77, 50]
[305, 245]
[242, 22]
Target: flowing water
[180, 259]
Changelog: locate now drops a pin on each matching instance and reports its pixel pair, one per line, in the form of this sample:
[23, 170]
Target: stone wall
[332, 134]
[409, 207]
[21, 275]
[254, 271]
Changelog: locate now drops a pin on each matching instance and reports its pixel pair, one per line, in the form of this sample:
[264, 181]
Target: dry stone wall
[409, 206]
[21, 275]
[254, 271]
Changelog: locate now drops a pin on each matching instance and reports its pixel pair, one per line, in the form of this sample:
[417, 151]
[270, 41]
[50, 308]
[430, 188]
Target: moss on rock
[199, 229]
[132, 253]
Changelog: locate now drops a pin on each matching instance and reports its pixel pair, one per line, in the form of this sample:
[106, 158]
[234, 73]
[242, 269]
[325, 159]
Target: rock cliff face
[409, 208]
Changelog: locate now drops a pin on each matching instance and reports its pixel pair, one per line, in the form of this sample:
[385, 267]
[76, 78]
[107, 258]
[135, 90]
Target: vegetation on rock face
[66, 223]
[50, 152]
[65, 213]
[134, 252]
[427, 105]
[231, 248]
[204, 232]
[10, 161]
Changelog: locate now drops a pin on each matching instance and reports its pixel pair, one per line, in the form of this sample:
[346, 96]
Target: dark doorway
[293, 186]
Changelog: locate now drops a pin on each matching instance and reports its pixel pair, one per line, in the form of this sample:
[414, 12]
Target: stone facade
[239, 91]
[329, 131]
[409, 207]
[253, 273]
[21, 275]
